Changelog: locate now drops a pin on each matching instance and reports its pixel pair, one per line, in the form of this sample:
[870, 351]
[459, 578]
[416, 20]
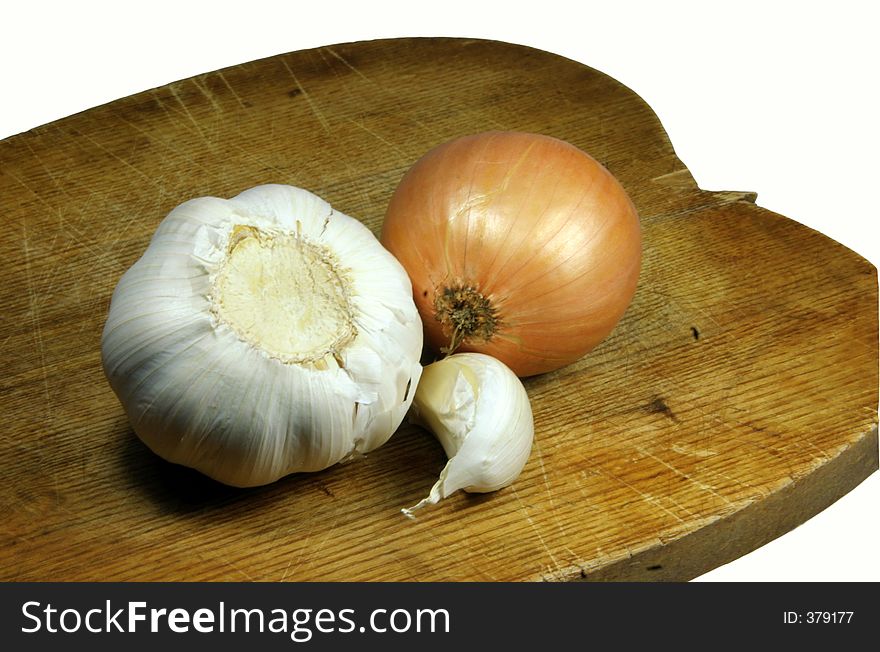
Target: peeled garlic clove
[263, 335]
[479, 411]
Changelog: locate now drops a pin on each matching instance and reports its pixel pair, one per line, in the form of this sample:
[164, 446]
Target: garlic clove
[480, 413]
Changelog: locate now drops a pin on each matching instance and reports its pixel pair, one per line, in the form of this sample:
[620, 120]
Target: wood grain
[737, 398]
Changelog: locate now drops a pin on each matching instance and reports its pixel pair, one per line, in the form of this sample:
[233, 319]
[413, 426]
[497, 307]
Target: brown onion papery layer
[533, 223]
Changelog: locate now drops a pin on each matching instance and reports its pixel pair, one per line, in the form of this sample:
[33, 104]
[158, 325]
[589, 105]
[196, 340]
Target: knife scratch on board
[648, 498]
[113, 154]
[403, 155]
[306, 552]
[696, 483]
[62, 222]
[35, 315]
[284, 574]
[49, 173]
[553, 511]
[186, 111]
[465, 546]
[169, 146]
[222, 77]
[207, 93]
[308, 99]
[315, 553]
[536, 529]
[231, 565]
[180, 152]
[348, 65]
[386, 91]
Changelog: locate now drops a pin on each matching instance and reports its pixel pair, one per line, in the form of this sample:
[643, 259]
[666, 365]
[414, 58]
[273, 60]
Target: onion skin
[538, 227]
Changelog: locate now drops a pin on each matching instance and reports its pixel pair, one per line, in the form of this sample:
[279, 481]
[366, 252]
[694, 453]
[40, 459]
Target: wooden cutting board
[737, 398]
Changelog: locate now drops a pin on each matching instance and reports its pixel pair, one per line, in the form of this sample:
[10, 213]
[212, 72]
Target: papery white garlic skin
[480, 412]
[263, 335]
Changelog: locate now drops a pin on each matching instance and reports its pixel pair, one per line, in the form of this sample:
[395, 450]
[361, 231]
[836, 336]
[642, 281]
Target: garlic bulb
[479, 411]
[263, 335]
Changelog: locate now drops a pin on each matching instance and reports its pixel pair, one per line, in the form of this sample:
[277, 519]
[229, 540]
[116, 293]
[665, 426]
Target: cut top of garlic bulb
[263, 335]
[296, 287]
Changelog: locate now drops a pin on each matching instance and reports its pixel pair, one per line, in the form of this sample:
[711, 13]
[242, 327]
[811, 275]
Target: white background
[780, 98]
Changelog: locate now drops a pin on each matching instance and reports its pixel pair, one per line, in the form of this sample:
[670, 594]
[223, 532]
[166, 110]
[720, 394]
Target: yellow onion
[520, 246]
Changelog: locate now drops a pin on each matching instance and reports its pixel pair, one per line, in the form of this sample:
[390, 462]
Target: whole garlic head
[263, 335]
[480, 413]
